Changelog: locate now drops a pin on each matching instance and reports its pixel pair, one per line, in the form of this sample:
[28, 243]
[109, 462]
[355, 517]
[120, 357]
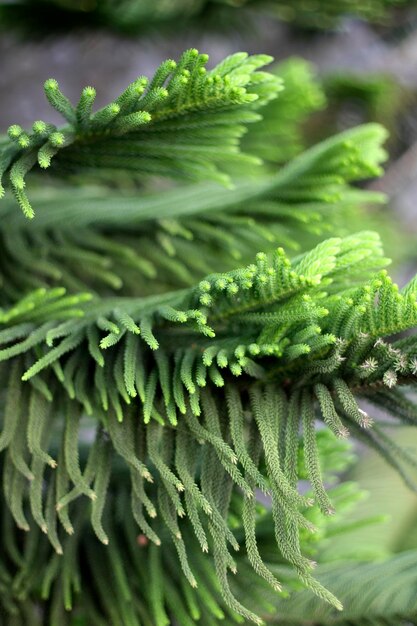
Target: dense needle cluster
[159, 371]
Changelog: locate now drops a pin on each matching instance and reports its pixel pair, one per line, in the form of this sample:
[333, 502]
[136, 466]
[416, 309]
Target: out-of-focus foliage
[322, 14]
[280, 134]
[353, 99]
[374, 594]
[377, 581]
[134, 16]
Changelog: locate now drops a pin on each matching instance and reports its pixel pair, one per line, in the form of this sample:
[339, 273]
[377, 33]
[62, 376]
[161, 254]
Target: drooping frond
[116, 588]
[184, 122]
[286, 337]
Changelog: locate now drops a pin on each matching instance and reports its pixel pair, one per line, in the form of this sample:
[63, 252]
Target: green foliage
[278, 136]
[164, 240]
[117, 588]
[327, 13]
[377, 594]
[135, 16]
[271, 323]
[376, 97]
[158, 372]
[184, 122]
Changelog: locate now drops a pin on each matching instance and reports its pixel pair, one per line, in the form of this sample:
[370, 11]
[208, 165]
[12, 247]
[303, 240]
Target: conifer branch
[208, 386]
[184, 122]
[269, 328]
[169, 237]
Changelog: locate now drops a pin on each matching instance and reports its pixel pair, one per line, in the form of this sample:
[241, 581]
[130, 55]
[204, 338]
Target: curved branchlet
[93, 239]
[186, 121]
